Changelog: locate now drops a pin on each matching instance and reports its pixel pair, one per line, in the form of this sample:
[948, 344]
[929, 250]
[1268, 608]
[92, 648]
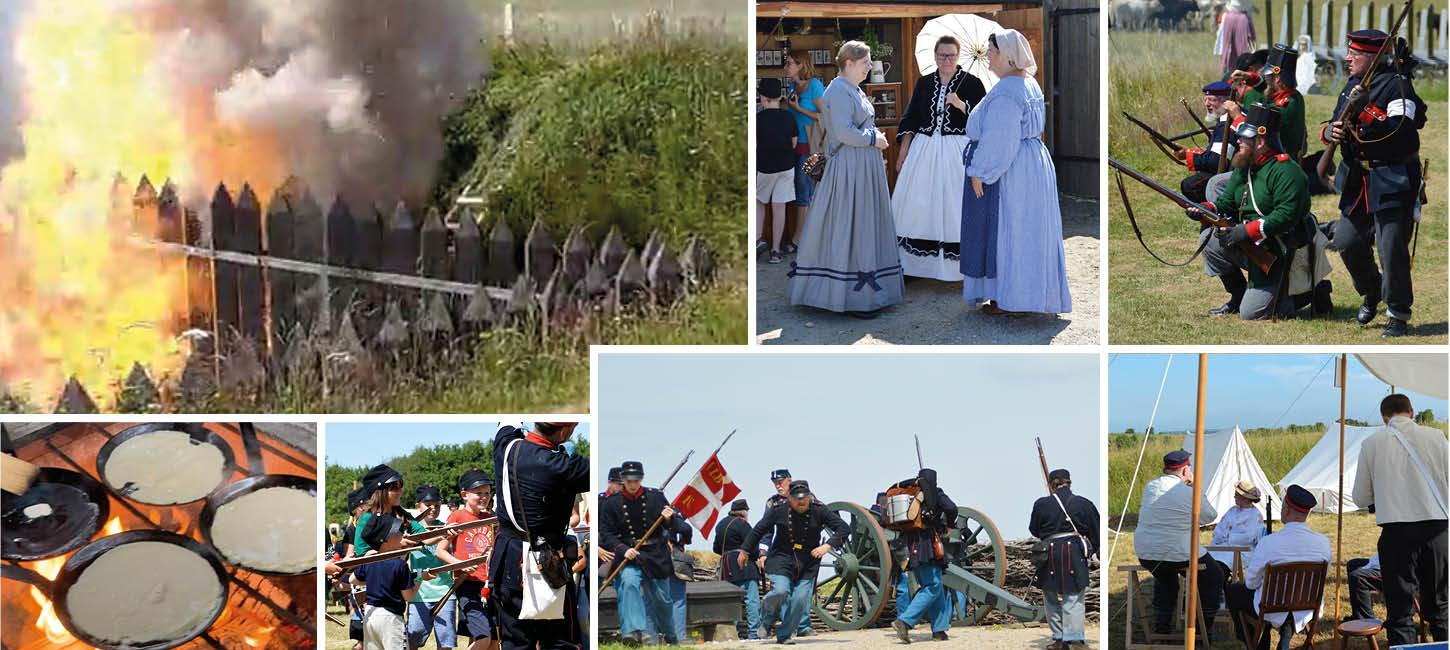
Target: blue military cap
[779, 474]
[740, 505]
[380, 528]
[426, 493]
[473, 479]
[377, 477]
[800, 489]
[355, 499]
[1175, 459]
[631, 470]
[614, 475]
[1300, 499]
[1367, 40]
[1059, 475]
[1217, 89]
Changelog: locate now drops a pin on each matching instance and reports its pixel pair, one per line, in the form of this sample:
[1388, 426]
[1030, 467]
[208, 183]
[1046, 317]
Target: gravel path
[991, 638]
[934, 312]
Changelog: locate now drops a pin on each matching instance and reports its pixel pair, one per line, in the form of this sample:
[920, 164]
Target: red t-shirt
[473, 542]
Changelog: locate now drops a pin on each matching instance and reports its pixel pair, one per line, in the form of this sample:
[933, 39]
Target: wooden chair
[1138, 608]
[1288, 588]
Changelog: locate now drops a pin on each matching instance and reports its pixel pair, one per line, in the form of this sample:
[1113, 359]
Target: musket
[1424, 182]
[434, 534]
[1201, 126]
[671, 477]
[1228, 127]
[1180, 136]
[919, 463]
[1042, 458]
[1168, 147]
[1358, 96]
[1259, 256]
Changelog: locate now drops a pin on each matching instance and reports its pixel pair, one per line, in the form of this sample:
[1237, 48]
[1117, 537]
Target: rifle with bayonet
[1358, 97]
[1164, 144]
[1259, 256]
[1201, 126]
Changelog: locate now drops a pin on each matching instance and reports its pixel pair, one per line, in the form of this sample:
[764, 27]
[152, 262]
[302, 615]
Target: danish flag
[702, 500]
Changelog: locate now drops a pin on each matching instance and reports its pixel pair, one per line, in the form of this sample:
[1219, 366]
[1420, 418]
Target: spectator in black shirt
[775, 141]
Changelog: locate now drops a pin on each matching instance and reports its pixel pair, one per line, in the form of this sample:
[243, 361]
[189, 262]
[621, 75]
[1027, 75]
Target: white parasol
[971, 31]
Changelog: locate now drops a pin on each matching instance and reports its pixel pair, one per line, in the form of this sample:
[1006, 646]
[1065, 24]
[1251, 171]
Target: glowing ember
[261, 637]
[112, 527]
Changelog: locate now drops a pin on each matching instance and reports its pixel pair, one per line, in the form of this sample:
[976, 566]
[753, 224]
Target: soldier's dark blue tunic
[543, 481]
[1066, 570]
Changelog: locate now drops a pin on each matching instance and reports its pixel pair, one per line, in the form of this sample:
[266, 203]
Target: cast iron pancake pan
[79, 507]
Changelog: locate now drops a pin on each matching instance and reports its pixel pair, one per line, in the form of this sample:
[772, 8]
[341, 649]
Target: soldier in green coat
[1268, 196]
[1282, 91]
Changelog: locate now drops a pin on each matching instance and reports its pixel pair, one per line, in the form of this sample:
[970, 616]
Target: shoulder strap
[1075, 531]
[1425, 473]
[510, 479]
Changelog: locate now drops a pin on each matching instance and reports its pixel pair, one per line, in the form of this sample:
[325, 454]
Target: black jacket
[929, 113]
[730, 533]
[795, 535]
[1066, 570]
[623, 519]
[1380, 168]
[543, 481]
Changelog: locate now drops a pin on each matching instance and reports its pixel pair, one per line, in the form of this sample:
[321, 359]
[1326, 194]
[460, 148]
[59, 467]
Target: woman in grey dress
[848, 258]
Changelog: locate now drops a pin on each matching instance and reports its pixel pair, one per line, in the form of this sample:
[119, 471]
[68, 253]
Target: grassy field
[1277, 452]
[1151, 303]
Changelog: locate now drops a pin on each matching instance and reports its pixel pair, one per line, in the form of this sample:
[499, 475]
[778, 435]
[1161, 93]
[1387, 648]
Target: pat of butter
[38, 510]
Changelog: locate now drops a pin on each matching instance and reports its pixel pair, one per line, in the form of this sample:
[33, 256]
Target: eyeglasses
[941, 56]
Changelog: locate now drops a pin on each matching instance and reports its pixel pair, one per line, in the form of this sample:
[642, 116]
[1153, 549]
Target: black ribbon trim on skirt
[861, 278]
[930, 248]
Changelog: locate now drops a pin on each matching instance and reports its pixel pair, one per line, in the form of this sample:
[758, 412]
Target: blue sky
[845, 421]
[1249, 390]
[364, 444]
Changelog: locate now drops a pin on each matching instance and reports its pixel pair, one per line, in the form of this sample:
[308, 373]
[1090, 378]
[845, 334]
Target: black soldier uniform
[926, 559]
[1068, 524]
[1203, 161]
[643, 583]
[729, 534]
[1379, 183]
[614, 484]
[537, 482]
[789, 563]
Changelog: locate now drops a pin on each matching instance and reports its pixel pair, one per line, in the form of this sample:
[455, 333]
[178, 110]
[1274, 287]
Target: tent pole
[1190, 616]
[1339, 516]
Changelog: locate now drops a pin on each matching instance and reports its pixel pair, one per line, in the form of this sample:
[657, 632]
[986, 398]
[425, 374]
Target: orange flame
[112, 527]
[263, 635]
[48, 621]
[81, 297]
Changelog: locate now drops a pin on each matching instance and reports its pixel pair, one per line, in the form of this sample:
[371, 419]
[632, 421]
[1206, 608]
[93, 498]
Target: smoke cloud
[10, 80]
[356, 91]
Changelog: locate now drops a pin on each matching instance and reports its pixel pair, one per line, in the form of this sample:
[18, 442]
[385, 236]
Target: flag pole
[1339, 516]
[722, 442]
[1190, 616]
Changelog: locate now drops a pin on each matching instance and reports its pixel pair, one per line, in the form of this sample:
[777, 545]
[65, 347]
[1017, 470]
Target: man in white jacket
[1162, 540]
[1295, 542]
[1402, 479]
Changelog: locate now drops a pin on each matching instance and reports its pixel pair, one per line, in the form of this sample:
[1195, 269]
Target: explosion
[96, 94]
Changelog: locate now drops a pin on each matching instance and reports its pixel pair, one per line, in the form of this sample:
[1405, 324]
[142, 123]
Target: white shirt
[1295, 542]
[1374, 562]
[1163, 520]
[1239, 527]
[1391, 481]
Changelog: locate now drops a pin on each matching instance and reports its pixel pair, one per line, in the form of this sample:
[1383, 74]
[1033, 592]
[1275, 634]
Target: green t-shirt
[430, 591]
[359, 547]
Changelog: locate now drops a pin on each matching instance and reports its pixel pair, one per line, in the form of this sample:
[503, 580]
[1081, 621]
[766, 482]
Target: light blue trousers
[929, 601]
[752, 607]
[644, 603]
[789, 601]
[677, 606]
[1065, 614]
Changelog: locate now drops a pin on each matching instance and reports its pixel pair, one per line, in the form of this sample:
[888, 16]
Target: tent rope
[1112, 550]
[1301, 393]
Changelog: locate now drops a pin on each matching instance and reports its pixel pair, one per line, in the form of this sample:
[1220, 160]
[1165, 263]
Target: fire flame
[112, 527]
[48, 621]
[81, 297]
[263, 634]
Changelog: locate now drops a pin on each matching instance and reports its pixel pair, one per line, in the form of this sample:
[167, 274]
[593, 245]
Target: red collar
[538, 440]
[1265, 158]
[634, 496]
[1283, 96]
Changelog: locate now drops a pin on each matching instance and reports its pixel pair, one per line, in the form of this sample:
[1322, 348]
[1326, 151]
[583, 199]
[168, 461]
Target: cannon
[854, 585]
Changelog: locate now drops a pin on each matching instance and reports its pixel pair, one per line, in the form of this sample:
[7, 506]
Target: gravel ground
[991, 638]
[934, 312]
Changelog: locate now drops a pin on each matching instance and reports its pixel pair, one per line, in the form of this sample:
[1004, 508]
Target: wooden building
[1065, 38]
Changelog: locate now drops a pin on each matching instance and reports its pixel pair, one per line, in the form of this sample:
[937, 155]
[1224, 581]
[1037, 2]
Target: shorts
[475, 612]
[383, 630]
[805, 186]
[775, 188]
[419, 626]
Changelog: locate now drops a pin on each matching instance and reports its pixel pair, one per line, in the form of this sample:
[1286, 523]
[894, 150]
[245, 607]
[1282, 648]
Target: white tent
[1318, 470]
[1226, 460]
[1423, 373]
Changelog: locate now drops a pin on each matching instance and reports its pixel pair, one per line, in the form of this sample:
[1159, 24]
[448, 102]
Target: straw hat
[1247, 490]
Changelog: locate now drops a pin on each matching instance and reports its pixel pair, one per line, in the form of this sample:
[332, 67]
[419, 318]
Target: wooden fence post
[400, 255]
[247, 238]
[223, 220]
[282, 288]
[340, 252]
[539, 255]
[502, 268]
[308, 240]
[370, 299]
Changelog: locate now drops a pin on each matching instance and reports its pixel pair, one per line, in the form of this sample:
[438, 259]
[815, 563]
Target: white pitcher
[879, 70]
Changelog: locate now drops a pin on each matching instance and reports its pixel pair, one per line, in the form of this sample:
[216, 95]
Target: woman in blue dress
[1012, 253]
[802, 97]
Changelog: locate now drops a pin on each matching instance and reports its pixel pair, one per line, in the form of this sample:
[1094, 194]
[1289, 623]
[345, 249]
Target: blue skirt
[979, 225]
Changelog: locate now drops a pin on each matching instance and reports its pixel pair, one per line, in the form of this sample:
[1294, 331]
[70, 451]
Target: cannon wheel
[851, 589]
[979, 550]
